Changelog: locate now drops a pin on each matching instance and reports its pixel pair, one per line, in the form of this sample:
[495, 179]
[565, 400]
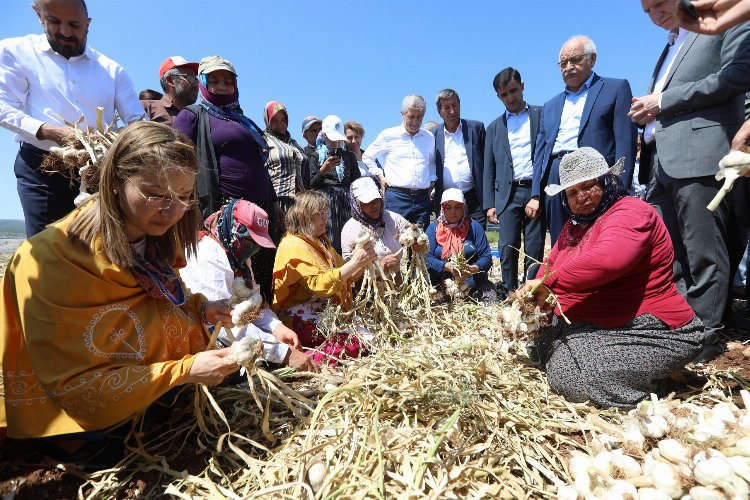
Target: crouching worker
[235, 234]
[612, 274]
[95, 325]
[456, 234]
[308, 274]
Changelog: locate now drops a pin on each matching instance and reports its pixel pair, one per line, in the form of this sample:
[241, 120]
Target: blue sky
[357, 59]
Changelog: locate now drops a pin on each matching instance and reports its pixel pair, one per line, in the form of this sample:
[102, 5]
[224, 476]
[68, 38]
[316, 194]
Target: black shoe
[502, 293]
[735, 320]
[709, 352]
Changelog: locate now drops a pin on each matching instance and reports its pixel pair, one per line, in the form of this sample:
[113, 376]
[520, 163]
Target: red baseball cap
[175, 62]
[255, 219]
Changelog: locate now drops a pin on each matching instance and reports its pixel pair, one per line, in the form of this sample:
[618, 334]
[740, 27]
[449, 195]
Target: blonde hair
[140, 146]
[299, 218]
[356, 126]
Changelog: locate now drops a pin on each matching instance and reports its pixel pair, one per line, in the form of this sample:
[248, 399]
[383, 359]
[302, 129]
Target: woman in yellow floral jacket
[308, 273]
[94, 323]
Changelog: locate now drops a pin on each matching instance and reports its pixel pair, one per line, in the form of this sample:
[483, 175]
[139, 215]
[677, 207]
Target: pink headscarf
[271, 109]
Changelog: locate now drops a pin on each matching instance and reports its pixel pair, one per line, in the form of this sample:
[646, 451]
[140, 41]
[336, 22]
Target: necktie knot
[672, 36]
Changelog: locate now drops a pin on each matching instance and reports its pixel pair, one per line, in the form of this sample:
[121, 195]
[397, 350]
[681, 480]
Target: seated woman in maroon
[612, 273]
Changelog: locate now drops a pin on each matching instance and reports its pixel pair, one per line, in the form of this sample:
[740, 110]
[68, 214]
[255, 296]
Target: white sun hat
[333, 128]
[583, 164]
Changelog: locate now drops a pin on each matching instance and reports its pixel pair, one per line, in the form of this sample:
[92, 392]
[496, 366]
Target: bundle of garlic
[415, 292]
[668, 449]
[733, 166]
[520, 319]
[78, 159]
[455, 290]
[376, 299]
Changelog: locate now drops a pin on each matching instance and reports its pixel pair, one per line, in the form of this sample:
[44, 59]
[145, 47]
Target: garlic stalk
[731, 167]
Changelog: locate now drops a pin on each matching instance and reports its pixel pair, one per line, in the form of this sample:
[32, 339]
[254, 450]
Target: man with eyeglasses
[591, 111]
[179, 80]
[46, 80]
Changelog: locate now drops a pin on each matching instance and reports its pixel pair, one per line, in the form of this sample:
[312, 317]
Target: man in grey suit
[693, 109]
[508, 172]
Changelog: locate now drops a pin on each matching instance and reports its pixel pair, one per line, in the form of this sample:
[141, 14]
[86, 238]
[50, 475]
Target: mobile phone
[337, 152]
[689, 8]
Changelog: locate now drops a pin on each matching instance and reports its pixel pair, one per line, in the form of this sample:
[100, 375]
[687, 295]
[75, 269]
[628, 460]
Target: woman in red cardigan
[612, 273]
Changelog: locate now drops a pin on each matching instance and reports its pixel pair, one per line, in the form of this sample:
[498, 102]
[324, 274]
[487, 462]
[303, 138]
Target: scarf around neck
[451, 236]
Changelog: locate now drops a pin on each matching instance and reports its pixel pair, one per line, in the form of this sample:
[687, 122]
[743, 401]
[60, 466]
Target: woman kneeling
[308, 274]
[611, 270]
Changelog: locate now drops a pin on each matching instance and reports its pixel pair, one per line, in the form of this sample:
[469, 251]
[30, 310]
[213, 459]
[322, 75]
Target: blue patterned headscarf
[323, 150]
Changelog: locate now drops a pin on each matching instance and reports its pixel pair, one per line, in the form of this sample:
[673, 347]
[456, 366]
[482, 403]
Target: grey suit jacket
[498, 161]
[702, 103]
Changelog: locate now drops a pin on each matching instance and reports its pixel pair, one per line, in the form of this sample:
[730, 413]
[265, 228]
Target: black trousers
[554, 215]
[513, 224]
[45, 198]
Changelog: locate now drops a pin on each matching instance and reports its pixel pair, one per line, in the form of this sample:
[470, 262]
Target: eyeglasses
[163, 202]
[575, 60]
[191, 79]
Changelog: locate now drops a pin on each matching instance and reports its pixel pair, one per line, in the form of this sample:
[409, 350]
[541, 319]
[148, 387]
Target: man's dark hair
[505, 77]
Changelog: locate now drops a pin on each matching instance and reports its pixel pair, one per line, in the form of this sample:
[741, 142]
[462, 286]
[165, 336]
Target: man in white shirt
[459, 154]
[591, 111]
[508, 171]
[407, 154]
[46, 80]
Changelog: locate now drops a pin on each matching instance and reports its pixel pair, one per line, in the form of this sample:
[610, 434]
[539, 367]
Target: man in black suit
[459, 152]
[508, 172]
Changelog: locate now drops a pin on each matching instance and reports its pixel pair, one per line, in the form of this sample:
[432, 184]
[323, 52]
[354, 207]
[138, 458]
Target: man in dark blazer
[508, 170]
[591, 111]
[462, 166]
[694, 107]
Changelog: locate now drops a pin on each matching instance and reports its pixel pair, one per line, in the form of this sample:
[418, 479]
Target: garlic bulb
[316, 474]
[713, 471]
[703, 493]
[620, 489]
[245, 351]
[666, 480]
[248, 310]
[240, 288]
[422, 239]
[674, 451]
[654, 426]
[652, 494]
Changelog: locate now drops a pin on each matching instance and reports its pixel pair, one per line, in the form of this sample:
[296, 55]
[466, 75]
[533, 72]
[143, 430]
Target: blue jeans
[414, 208]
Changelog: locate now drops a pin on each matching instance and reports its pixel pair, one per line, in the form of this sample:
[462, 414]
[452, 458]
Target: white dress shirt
[570, 120]
[210, 273]
[519, 137]
[649, 132]
[38, 85]
[456, 168]
[408, 160]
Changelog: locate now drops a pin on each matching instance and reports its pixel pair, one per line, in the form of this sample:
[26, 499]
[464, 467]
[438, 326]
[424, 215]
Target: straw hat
[583, 164]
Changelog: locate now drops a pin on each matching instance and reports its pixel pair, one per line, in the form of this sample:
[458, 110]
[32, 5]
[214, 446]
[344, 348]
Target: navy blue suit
[473, 132]
[605, 126]
[509, 199]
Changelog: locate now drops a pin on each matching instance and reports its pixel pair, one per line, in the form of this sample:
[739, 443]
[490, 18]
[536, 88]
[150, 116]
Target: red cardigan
[619, 269]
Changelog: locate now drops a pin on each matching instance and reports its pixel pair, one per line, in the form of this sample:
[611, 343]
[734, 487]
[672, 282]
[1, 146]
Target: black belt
[411, 192]
[523, 182]
[560, 154]
[31, 147]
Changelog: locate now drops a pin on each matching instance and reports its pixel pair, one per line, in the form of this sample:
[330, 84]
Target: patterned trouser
[615, 367]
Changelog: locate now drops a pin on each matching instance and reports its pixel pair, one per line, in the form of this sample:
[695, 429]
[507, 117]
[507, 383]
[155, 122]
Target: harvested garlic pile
[668, 449]
[247, 302]
[245, 351]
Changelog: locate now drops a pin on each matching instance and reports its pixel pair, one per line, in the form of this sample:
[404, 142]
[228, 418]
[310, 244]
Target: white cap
[365, 190]
[453, 194]
[333, 128]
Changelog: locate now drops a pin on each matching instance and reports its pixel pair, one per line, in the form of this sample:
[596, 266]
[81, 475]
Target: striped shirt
[284, 164]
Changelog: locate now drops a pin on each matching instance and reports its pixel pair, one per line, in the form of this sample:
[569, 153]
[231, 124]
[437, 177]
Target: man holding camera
[407, 154]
